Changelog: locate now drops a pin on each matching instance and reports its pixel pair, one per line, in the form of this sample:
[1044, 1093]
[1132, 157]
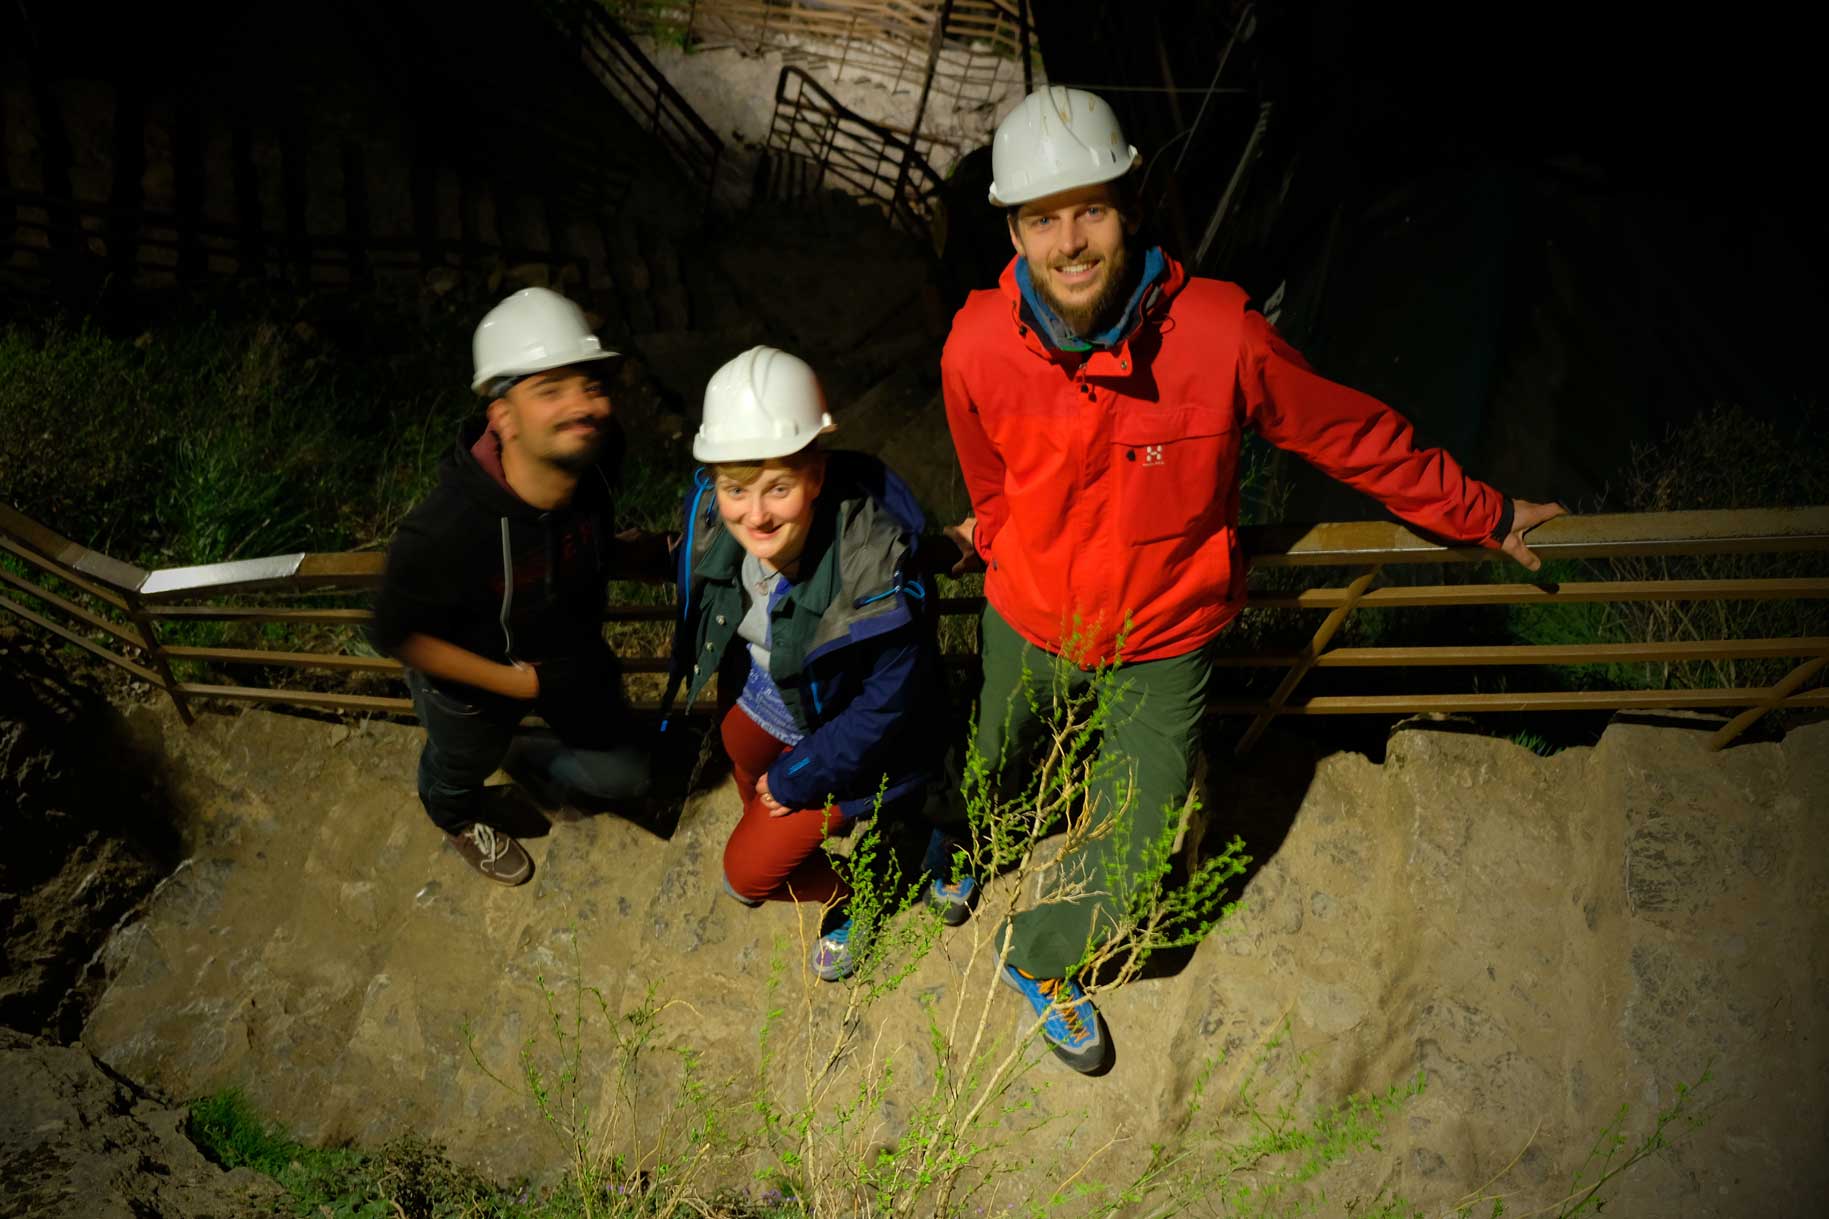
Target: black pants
[592, 751]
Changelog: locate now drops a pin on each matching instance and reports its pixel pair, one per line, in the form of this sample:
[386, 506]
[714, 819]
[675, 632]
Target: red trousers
[775, 858]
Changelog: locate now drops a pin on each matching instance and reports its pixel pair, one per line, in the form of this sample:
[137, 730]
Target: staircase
[816, 144]
[639, 88]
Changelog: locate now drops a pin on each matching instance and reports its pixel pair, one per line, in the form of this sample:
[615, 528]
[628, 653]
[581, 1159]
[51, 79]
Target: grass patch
[313, 425]
[1722, 459]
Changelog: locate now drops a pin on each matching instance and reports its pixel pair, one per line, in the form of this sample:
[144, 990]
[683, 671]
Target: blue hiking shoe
[949, 894]
[832, 959]
[1072, 1028]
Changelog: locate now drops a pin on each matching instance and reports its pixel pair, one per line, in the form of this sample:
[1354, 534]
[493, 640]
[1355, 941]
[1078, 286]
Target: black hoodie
[475, 565]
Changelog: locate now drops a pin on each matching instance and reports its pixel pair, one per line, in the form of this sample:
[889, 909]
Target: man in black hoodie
[495, 584]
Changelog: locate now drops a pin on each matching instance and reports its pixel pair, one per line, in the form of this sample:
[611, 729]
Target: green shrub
[205, 441]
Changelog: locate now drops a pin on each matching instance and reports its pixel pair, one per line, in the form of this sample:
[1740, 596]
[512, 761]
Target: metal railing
[815, 142]
[111, 609]
[642, 90]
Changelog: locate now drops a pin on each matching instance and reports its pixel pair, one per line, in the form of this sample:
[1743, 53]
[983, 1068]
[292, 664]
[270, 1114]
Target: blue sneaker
[949, 894]
[832, 959]
[1072, 1028]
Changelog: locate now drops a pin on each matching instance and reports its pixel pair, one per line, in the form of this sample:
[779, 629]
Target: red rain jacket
[1105, 484]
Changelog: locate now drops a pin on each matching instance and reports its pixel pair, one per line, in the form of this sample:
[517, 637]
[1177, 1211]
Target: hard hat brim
[528, 368]
[1062, 186]
[716, 452]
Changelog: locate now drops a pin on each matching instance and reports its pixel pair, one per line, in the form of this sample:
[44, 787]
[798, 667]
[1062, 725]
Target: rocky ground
[1546, 938]
[89, 834]
[79, 1141]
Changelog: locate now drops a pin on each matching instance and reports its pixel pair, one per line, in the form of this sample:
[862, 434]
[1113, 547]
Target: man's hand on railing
[961, 536]
[1526, 516]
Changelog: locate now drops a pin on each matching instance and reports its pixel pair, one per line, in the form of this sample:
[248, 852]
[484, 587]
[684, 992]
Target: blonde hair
[745, 472]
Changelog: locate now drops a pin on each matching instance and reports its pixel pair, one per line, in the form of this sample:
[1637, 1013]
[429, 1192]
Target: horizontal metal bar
[64, 553]
[1607, 535]
[1575, 654]
[123, 632]
[300, 698]
[1575, 700]
[338, 660]
[332, 701]
[63, 572]
[256, 613]
[1450, 595]
[88, 645]
[293, 660]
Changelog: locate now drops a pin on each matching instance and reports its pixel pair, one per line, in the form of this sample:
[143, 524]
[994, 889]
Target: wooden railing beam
[1323, 635]
[88, 645]
[125, 634]
[1769, 700]
[1459, 595]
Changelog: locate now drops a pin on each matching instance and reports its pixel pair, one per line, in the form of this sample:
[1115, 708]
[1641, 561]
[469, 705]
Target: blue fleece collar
[1060, 337]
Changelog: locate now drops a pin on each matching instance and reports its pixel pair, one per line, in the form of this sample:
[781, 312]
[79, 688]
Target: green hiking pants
[1146, 751]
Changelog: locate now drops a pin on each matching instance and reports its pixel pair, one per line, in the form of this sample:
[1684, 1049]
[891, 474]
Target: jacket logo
[1152, 454]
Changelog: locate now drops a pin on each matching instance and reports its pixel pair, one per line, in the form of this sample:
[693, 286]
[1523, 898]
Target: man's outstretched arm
[1359, 440]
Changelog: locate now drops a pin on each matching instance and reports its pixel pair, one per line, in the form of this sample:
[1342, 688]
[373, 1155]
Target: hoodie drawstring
[507, 590]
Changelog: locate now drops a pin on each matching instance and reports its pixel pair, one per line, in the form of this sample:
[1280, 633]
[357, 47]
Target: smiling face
[559, 417]
[1076, 245]
[770, 510]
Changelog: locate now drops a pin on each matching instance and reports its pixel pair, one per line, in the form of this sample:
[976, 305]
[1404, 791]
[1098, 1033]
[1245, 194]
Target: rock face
[88, 834]
[1545, 938]
[79, 1142]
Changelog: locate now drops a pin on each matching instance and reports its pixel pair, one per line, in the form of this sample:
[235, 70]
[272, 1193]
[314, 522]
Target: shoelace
[486, 842]
[1053, 990]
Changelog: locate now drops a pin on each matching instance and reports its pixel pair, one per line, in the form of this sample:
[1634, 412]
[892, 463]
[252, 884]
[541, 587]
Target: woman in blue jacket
[796, 573]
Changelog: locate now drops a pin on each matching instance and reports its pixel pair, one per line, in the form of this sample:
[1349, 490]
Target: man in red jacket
[1097, 399]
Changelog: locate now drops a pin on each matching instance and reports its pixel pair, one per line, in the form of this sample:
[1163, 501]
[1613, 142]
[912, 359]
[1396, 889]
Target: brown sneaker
[492, 853]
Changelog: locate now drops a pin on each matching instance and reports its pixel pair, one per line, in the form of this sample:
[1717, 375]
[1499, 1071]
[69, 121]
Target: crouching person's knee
[745, 893]
[608, 774]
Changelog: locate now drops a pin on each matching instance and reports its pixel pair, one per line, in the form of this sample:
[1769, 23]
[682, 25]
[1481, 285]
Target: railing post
[155, 654]
[1775, 697]
[1028, 72]
[914, 129]
[1325, 633]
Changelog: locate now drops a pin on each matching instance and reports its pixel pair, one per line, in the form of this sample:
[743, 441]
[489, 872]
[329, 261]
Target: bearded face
[559, 418]
[1076, 246]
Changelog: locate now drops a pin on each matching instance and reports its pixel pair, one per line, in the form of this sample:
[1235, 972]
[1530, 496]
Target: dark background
[1547, 233]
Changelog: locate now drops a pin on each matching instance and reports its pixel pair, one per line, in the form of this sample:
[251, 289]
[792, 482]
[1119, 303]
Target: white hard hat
[532, 331]
[765, 403]
[1057, 139]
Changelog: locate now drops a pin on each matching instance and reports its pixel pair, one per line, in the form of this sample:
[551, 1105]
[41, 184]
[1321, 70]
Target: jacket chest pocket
[1172, 467]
